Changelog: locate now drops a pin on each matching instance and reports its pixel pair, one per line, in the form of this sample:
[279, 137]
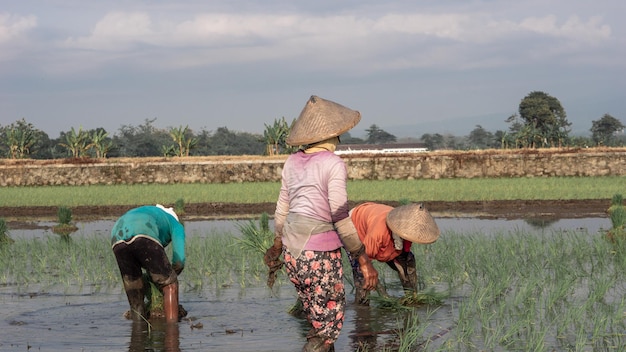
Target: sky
[409, 67]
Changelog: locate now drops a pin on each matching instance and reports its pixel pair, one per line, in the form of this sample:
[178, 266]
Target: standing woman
[312, 222]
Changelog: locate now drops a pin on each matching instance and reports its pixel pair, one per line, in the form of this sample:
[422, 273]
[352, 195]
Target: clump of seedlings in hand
[256, 238]
[154, 300]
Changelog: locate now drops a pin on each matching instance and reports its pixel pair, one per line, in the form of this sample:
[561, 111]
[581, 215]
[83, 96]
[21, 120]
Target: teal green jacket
[155, 223]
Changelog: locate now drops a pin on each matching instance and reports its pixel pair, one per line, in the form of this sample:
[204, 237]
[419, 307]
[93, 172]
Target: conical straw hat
[413, 223]
[319, 120]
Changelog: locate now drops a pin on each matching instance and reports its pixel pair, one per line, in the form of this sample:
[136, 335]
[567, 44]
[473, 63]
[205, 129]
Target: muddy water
[227, 319]
[253, 319]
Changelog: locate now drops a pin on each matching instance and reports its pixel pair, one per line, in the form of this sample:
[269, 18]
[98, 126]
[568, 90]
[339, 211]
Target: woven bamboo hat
[413, 223]
[321, 119]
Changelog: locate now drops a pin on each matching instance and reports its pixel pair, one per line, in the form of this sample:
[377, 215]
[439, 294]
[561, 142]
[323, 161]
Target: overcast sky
[410, 67]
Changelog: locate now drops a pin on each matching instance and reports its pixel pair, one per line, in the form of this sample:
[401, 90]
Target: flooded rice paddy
[221, 318]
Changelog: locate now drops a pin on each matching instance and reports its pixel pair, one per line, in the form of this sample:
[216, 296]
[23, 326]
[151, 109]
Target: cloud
[13, 26]
[116, 32]
[573, 28]
[362, 42]
[13, 30]
[325, 41]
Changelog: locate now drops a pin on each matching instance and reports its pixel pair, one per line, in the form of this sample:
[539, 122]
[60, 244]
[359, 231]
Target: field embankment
[236, 169]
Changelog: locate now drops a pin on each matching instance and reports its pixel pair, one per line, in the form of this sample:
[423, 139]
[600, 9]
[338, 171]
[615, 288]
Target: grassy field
[386, 190]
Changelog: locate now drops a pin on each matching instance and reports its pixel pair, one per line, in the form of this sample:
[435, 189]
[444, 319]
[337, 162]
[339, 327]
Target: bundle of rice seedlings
[388, 303]
[154, 296]
[65, 226]
[410, 300]
[420, 298]
[256, 238]
[154, 300]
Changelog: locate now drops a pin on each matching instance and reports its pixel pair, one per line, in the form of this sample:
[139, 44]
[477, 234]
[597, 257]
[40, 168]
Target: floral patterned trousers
[318, 278]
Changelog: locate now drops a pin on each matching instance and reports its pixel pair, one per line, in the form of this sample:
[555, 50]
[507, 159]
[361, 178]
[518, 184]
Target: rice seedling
[541, 297]
[179, 207]
[617, 214]
[411, 332]
[219, 262]
[4, 233]
[616, 201]
[618, 218]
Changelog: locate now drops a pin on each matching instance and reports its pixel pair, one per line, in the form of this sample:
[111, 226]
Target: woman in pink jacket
[312, 222]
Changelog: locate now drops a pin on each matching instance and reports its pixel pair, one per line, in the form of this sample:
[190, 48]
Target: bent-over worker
[388, 234]
[138, 239]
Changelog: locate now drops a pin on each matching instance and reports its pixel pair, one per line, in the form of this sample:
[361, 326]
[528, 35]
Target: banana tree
[77, 142]
[275, 136]
[101, 144]
[184, 143]
[19, 138]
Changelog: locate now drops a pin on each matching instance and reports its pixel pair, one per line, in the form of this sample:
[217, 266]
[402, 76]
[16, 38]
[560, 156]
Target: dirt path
[552, 209]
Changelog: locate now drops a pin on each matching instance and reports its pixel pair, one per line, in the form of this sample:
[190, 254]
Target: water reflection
[540, 223]
[158, 336]
[363, 337]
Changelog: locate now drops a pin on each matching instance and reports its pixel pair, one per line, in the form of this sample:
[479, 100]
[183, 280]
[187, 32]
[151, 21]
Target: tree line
[541, 122]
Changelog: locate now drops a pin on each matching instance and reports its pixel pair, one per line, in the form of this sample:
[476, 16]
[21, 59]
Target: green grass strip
[378, 190]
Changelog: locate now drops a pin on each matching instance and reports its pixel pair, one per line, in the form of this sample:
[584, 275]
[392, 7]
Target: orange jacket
[370, 220]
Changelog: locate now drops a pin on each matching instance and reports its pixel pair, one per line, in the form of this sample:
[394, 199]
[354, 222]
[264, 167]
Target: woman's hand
[370, 275]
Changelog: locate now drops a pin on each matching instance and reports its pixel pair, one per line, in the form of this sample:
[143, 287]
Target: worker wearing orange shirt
[388, 234]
